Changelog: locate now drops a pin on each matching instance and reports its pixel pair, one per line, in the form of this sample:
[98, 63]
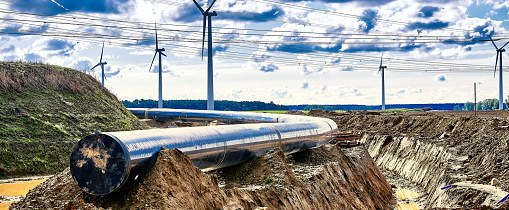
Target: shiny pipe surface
[105, 162]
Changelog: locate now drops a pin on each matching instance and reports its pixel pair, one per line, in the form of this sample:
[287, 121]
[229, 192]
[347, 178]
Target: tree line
[202, 105]
[258, 105]
[488, 104]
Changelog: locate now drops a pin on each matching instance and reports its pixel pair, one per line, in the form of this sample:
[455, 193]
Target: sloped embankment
[436, 150]
[45, 109]
[323, 178]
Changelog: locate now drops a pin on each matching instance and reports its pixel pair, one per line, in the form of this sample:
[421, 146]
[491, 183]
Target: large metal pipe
[106, 162]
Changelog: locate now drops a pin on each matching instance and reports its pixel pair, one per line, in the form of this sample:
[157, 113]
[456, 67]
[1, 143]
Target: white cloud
[242, 80]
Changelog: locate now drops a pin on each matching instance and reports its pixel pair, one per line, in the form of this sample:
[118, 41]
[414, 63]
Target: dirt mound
[349, 179]
[267, 169]
[173, 183]
[45, 109]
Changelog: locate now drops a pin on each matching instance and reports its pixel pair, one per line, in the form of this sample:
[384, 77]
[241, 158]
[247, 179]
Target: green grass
[399, 110]
[268, 180]
[43, 115]
[270, 111]
[274, 111]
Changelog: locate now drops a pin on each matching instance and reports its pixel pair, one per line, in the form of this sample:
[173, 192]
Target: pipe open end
[99, 164]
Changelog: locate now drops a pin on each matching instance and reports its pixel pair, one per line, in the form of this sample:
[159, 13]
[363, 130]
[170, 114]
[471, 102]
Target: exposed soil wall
[323, 178]
[437, 150]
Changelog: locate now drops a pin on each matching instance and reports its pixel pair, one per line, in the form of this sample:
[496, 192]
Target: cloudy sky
[286, 51]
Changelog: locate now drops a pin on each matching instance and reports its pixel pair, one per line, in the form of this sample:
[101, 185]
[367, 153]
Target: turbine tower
[382, 68]
[101, 63]
[160, 51]
[210, 72]
[500, 81]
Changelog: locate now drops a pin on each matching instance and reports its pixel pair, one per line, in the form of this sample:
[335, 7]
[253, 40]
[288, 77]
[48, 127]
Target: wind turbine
[101, 63]
[160, 51]
[210, 72]
[500, 81]
[382, 68]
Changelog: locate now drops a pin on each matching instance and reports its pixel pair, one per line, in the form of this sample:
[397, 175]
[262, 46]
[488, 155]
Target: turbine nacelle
[213, 13]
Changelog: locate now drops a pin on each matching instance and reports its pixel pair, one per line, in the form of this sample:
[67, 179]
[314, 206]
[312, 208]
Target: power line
[362, 36]
[346, 14]
[286, 61]
[138, 39]
[102, 19]
[111, 37]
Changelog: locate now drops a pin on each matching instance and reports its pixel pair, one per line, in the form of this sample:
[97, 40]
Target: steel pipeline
[105, 162]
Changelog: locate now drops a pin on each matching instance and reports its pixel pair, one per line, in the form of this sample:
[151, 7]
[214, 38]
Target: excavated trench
[445, 160]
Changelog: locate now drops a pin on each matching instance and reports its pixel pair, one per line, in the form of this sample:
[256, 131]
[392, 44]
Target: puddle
[5, 206]
[12, 191]
[408, 195]
[18, 188]
[407, 206]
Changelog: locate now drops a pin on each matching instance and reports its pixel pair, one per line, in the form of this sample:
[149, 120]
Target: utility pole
[475, 99]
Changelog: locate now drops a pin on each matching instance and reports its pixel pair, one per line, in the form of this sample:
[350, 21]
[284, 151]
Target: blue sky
[309, 64]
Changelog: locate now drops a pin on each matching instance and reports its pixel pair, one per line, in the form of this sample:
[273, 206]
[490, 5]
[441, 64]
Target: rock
[444, 135]
[494, 182]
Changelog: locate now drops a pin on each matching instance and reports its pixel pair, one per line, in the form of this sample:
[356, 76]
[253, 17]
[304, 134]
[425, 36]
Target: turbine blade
[504, 45]
[150, 69]
[210, 6]
[157, 41]
[102, 50]
[494, 45]
[58, 4]
[95, 66]
[496, 63]
[197, 5]
[203, 40]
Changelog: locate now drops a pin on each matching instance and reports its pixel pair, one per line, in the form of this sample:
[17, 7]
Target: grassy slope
[45, 109]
